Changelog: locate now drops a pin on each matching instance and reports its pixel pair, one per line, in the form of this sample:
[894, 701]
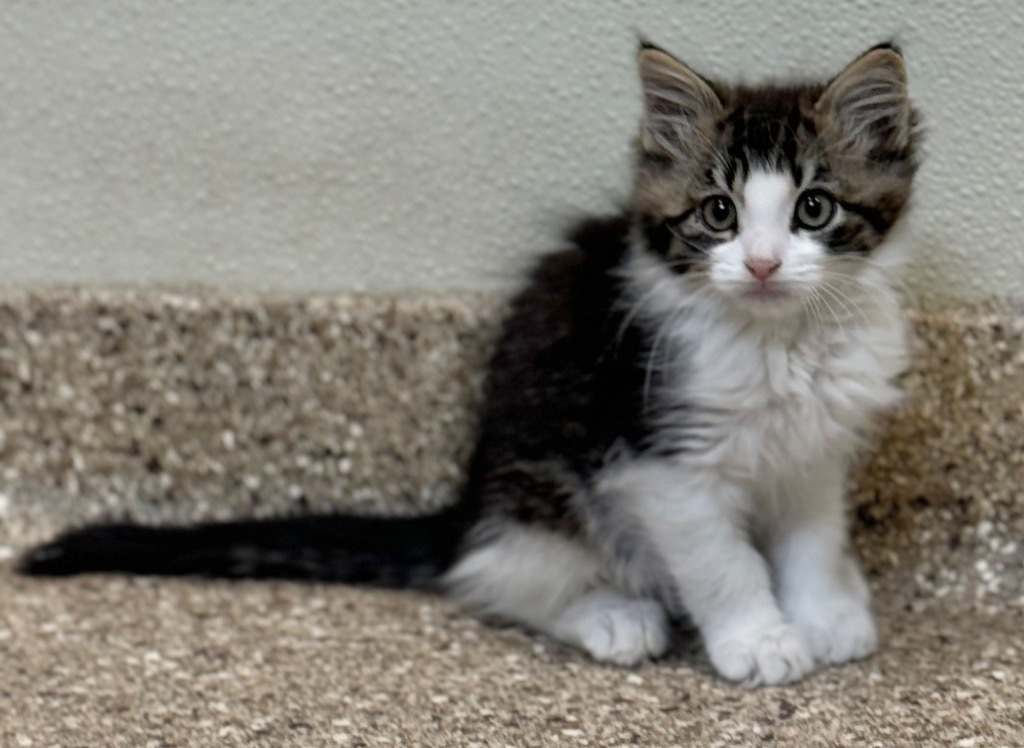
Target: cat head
[771, 195]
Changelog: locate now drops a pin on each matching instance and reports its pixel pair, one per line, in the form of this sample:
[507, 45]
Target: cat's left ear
[868, 101]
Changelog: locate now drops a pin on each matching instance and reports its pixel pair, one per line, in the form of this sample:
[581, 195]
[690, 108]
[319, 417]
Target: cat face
[773, 196]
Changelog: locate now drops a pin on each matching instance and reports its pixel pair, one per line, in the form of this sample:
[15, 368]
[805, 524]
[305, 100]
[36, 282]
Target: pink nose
[761, 268]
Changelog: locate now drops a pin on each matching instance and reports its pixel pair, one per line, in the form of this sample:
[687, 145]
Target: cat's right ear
[676, 99]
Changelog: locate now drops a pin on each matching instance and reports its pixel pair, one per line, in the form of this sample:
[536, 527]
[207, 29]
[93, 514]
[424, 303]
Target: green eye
[814, 209]
[718, 213]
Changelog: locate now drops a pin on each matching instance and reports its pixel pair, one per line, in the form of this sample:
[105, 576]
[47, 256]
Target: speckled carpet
[170, 406]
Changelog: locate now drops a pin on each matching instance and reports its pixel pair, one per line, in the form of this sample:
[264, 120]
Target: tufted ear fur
[868, 103]
[676, 101]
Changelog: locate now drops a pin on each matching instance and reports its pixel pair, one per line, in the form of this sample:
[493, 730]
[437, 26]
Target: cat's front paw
[838, 629]
[756, 656]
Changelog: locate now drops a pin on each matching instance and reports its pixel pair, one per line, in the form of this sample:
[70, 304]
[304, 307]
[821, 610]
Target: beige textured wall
[371, 145]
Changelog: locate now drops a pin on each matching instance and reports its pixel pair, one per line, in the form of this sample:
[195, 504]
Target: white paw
[838, 629]
[623, 631]
[757, 656]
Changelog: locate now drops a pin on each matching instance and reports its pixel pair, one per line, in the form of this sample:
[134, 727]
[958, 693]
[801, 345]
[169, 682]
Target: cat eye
[718, 213]
[814, 209]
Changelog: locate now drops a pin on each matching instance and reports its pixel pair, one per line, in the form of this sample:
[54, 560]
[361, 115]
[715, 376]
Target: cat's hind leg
[555, 585]
[615, 628]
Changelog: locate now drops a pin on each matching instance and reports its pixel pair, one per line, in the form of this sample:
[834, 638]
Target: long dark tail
[384, 552]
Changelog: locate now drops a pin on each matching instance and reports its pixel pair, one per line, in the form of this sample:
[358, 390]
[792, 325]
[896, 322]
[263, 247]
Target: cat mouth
[766, 292]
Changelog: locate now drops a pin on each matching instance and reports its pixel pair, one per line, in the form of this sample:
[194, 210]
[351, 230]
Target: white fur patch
[525, 574]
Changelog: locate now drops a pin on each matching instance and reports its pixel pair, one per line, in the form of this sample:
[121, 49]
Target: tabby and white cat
[674, 403]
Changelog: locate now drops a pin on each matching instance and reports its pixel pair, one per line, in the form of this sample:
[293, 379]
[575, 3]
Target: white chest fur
[760, 401]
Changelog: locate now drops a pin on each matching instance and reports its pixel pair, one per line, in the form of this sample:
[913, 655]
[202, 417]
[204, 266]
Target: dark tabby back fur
[566, 384]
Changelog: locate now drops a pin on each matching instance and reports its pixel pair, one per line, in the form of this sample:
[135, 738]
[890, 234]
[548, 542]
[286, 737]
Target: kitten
[673, 405]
